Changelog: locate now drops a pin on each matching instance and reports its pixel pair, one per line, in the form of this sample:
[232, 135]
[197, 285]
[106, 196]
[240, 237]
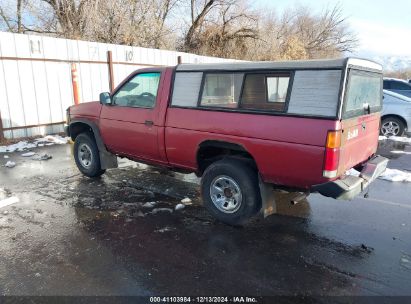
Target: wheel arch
[78, 127]
[395, 116]
[210, 151]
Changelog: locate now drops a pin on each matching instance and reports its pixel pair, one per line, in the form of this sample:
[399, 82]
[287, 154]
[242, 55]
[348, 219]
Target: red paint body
[288, 151]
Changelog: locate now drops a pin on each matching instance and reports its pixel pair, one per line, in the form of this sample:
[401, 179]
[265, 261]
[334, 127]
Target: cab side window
[139, 92]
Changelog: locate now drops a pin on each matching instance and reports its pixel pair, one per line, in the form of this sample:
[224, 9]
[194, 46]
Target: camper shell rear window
[364, 89]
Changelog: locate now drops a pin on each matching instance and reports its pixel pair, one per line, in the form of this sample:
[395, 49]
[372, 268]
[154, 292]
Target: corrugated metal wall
[36, 84]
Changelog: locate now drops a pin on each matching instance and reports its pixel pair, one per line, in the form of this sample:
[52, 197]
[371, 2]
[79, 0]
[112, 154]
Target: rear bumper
[349, 186]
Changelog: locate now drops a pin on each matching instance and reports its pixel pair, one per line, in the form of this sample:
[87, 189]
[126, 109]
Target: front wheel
[86, 155]
[392, 126]
[230, 191]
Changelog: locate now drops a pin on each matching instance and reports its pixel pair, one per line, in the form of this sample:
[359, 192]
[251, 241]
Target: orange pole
[110, 71]
[75, 83]
[1, 129]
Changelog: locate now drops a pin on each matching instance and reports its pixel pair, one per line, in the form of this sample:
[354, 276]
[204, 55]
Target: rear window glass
[265, 92]
[387, 84]
[363, 88]
[221, 90]
[399, 85]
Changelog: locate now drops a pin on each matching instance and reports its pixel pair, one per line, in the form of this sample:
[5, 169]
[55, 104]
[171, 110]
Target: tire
[241, 201]
[392, 126]
[86, 155]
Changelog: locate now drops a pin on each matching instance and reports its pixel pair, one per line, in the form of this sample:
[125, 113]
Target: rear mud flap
[268, 204]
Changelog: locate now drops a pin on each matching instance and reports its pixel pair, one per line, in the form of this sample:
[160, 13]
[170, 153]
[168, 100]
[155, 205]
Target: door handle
[149, 123]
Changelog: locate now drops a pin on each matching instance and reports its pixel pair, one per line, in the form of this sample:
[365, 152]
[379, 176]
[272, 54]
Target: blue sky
[383, 27]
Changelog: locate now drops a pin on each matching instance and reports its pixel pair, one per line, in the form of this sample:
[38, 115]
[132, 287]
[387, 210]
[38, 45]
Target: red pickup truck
[296, 125]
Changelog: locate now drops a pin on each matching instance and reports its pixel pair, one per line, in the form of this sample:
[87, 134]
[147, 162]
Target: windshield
[363, 88]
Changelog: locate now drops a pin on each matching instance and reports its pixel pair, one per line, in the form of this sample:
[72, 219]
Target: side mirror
[105, 98]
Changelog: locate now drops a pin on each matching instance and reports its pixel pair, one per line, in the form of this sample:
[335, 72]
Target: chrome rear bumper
[349, 186]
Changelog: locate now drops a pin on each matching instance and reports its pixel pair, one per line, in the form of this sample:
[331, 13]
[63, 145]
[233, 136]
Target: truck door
[129, 125]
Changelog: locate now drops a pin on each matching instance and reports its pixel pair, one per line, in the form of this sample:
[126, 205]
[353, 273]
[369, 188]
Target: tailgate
[359, 140]
[360, 118]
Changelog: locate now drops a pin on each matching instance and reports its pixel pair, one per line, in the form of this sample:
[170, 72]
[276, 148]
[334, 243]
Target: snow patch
[28, 154]
[48, 140]
[139, 214]
[179, 207]
[157, 210]
[405, 261]
[55, 139]
[353, 172]
[165, 229]
[20, 146]
[44, 156]
[186, 201]
[3, 194]
[149, 205]
[395, 175]
[10, 164]
[401, 152]
[392, 175]
[406, 140]
[9, 201]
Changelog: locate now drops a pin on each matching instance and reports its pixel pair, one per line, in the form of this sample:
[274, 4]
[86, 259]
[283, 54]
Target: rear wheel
[230, 191]
[87, 156]
[392, 126]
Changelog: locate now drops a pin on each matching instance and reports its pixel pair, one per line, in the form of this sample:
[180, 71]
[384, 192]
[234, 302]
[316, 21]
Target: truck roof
[396, 79]
[284, 65]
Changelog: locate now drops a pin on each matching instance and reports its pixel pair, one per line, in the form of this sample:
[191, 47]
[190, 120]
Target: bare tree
[132, 22]
[324, 34]
[19, 20]
[401, 74]
[198, 11]
[73, 16]
[5, 20]
[66, 18]
[219, 27]
[224, 28]
[300, 34]
[13, 23]
[162, 13]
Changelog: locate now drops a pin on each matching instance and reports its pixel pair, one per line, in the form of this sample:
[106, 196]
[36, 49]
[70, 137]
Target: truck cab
[242, 127]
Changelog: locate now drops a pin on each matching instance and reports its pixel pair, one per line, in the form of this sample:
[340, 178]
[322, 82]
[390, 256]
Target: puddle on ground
[405, 261]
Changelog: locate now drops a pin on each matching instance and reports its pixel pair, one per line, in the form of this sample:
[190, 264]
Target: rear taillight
[332, 154]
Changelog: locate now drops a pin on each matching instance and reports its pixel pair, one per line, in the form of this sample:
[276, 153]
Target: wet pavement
[120, 235]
